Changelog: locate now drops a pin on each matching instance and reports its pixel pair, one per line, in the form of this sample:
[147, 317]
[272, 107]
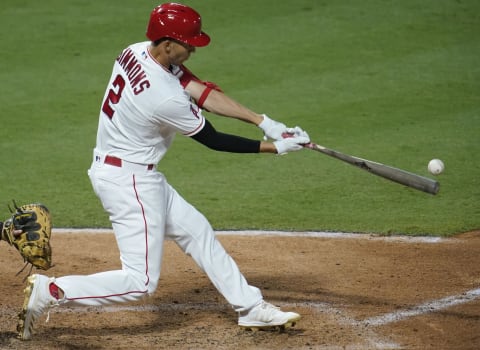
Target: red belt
[118, 162]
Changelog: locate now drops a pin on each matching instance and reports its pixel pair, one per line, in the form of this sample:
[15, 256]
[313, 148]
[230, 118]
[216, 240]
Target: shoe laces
[268, 309]
[51, 305]
[266, 305]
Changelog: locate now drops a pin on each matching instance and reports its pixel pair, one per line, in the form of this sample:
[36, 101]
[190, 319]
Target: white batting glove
[290, 144]
[296, 131]
[272, 129]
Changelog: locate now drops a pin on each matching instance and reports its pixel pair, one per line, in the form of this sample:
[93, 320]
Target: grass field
[397, 82]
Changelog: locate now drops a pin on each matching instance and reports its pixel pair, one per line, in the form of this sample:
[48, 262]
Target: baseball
[436, 166]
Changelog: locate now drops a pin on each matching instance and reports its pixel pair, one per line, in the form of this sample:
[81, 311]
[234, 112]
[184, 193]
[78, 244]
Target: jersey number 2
[114, 95]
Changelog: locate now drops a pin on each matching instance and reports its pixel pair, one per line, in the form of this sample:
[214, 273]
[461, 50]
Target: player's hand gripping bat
[390, 173]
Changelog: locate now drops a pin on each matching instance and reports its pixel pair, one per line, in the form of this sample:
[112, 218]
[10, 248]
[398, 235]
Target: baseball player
[147, 101]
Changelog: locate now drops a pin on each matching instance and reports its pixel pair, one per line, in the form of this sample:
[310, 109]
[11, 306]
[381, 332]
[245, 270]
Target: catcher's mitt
[29, 230]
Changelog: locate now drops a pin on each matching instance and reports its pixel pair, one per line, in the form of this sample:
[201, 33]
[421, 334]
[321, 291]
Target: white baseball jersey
[144, 106]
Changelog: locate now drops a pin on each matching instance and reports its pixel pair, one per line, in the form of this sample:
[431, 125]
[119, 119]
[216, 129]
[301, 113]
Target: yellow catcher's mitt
[29, 230]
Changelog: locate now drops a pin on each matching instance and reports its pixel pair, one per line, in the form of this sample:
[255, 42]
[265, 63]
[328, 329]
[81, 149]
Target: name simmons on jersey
[136, 76]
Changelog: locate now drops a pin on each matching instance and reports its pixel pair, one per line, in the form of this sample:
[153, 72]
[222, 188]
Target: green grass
[397, 82]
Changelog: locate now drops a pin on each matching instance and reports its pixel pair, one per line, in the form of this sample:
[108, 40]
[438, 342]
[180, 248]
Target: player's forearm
[219, 141]
[267, 147]
[223, 105]
[218, 103]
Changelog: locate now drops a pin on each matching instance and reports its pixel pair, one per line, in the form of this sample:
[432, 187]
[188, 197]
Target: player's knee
[141, 281]
[152, 286]
[199, 238]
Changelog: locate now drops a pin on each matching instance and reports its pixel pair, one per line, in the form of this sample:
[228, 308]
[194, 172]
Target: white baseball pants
[144, 210]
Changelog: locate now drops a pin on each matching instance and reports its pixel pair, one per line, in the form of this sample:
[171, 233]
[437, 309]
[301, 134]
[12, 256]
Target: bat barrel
[404, 177]
[388, 172]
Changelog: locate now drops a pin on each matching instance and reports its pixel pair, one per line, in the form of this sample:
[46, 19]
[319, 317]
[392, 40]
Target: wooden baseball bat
[390, 173]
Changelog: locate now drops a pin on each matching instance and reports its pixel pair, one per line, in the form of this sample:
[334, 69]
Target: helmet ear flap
[179, 22]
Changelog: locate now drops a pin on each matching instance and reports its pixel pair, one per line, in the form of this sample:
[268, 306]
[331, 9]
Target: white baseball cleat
[265, 315]
[37, 301]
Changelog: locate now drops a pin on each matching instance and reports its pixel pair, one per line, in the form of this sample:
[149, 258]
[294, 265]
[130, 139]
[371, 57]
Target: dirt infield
[353, 293]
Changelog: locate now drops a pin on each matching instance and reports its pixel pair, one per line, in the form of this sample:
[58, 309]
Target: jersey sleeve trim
[197, 129]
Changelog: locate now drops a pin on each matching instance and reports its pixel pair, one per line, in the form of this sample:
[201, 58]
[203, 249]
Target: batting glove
[291, 144]
[296, 131]
[272, 129]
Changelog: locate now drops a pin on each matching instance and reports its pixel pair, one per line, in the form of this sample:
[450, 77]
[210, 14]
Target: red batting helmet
[179, 22]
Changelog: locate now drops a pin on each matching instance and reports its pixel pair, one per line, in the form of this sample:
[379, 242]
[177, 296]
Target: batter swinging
[148, 100]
